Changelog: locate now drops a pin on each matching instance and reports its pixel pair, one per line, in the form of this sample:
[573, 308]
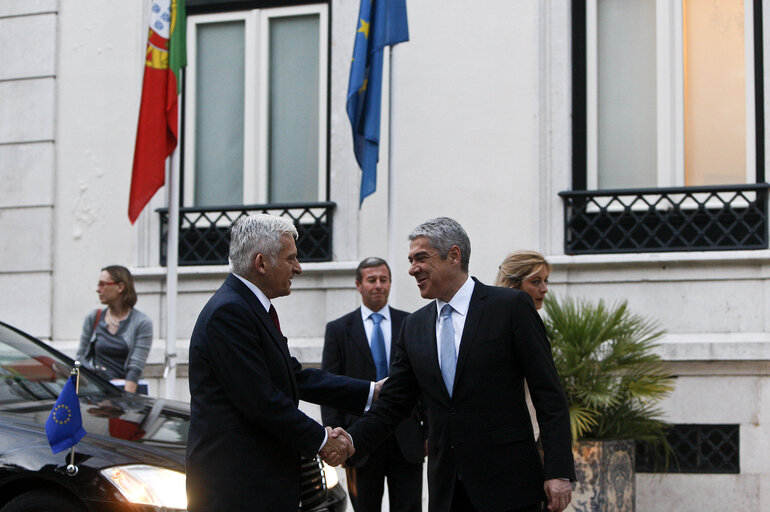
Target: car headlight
[149, 485]
[330, 474]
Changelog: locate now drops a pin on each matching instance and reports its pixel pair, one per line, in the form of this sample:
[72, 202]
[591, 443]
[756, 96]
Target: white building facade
[648, 116]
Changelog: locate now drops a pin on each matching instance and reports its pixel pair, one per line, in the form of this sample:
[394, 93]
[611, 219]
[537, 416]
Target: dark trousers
[366, 483]
[461, 502]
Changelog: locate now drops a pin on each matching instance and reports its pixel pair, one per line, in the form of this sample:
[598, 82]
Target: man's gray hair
[442, 233]
[257, 234]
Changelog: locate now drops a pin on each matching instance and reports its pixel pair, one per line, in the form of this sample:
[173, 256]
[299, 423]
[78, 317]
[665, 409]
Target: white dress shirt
[460, 303]
[260, 295]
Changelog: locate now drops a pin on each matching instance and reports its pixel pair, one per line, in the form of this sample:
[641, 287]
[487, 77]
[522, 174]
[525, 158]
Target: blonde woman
[527, 271]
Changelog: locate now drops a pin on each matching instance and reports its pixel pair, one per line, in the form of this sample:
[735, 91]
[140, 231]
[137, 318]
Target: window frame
[670, 85]
[613, 221]
[256, 97]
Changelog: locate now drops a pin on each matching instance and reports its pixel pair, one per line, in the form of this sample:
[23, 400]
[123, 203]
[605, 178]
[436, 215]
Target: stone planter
[605, 477]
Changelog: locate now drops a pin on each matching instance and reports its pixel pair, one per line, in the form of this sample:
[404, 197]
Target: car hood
[122, 429]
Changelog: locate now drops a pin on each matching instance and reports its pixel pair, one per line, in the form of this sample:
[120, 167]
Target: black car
[132, 458]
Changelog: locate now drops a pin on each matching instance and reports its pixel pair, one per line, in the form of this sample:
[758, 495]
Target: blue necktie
[378, 347]
[448, 355]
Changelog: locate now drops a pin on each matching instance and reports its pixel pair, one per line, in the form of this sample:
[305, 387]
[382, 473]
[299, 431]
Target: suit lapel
[475, 312]
[358, 337]
[396, 319]
[267, 322]
[427, 332]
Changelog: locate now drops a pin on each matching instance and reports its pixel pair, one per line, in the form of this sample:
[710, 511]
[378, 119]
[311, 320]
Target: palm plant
[610, 374]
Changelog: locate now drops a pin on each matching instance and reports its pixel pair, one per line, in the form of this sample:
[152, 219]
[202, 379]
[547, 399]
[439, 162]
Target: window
[256, 107]
[254, 126]
[670, 93]
[667, 127]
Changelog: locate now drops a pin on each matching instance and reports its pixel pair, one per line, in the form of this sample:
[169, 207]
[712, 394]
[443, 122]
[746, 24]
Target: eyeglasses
[102, 284]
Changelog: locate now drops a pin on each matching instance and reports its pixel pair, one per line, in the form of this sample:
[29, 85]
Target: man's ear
[260, 264]
[454, 254]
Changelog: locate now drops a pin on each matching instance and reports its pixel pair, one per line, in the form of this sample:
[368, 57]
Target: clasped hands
[339, 444]
[338, 447]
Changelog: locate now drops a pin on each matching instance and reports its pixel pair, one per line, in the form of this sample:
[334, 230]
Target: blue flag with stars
[64, 426]
[380, 23]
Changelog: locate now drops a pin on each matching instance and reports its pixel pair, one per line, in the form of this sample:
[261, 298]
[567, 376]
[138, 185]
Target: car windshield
[29, 371]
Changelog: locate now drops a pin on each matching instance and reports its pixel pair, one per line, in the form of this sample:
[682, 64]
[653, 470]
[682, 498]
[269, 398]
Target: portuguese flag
[157, 132]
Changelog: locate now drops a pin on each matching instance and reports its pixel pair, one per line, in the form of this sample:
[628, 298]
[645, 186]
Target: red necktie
[274, 317]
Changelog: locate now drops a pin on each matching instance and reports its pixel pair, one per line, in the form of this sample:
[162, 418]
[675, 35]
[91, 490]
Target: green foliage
[612, 377]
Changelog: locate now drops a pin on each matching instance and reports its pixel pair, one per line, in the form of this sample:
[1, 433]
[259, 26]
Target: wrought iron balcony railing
[666, 219]
[204, 233]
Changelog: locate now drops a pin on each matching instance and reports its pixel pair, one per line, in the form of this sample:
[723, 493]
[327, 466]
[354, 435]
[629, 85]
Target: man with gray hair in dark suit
[466, 355]
[247, 435]
[359, 344]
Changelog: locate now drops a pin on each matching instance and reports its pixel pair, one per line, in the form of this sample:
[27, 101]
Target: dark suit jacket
[347, 352]
[246, 433]
[483, 433]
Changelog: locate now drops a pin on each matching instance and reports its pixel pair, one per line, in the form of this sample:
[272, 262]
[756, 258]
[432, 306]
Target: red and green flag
[157, 132]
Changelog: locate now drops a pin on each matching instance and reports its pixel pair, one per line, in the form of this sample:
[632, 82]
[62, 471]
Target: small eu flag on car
[64, 426]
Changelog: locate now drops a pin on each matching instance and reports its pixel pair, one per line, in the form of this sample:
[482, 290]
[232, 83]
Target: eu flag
[64, 426]
[380, 23]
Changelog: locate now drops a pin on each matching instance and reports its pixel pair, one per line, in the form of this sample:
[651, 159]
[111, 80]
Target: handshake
[339, 444]
[338, 447]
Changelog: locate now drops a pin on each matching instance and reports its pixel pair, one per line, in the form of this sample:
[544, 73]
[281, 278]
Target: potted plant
[613, 381]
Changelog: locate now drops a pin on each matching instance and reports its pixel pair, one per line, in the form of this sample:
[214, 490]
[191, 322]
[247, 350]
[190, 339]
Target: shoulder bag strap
[98, 317]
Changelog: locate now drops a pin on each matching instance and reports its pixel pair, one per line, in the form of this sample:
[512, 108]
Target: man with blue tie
[358, 345]
[465, 356]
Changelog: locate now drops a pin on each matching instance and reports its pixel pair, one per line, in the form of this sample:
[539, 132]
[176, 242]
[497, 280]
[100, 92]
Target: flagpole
[72, 469]
[156, 131]
[172, 257]
[392, 252]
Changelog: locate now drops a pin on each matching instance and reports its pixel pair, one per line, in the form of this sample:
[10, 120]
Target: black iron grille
[697, 449]
[313, 483]
[666, 219]
[204, 233]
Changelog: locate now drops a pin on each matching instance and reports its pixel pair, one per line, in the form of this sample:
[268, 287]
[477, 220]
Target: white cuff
[371, 397]
[326, 438]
